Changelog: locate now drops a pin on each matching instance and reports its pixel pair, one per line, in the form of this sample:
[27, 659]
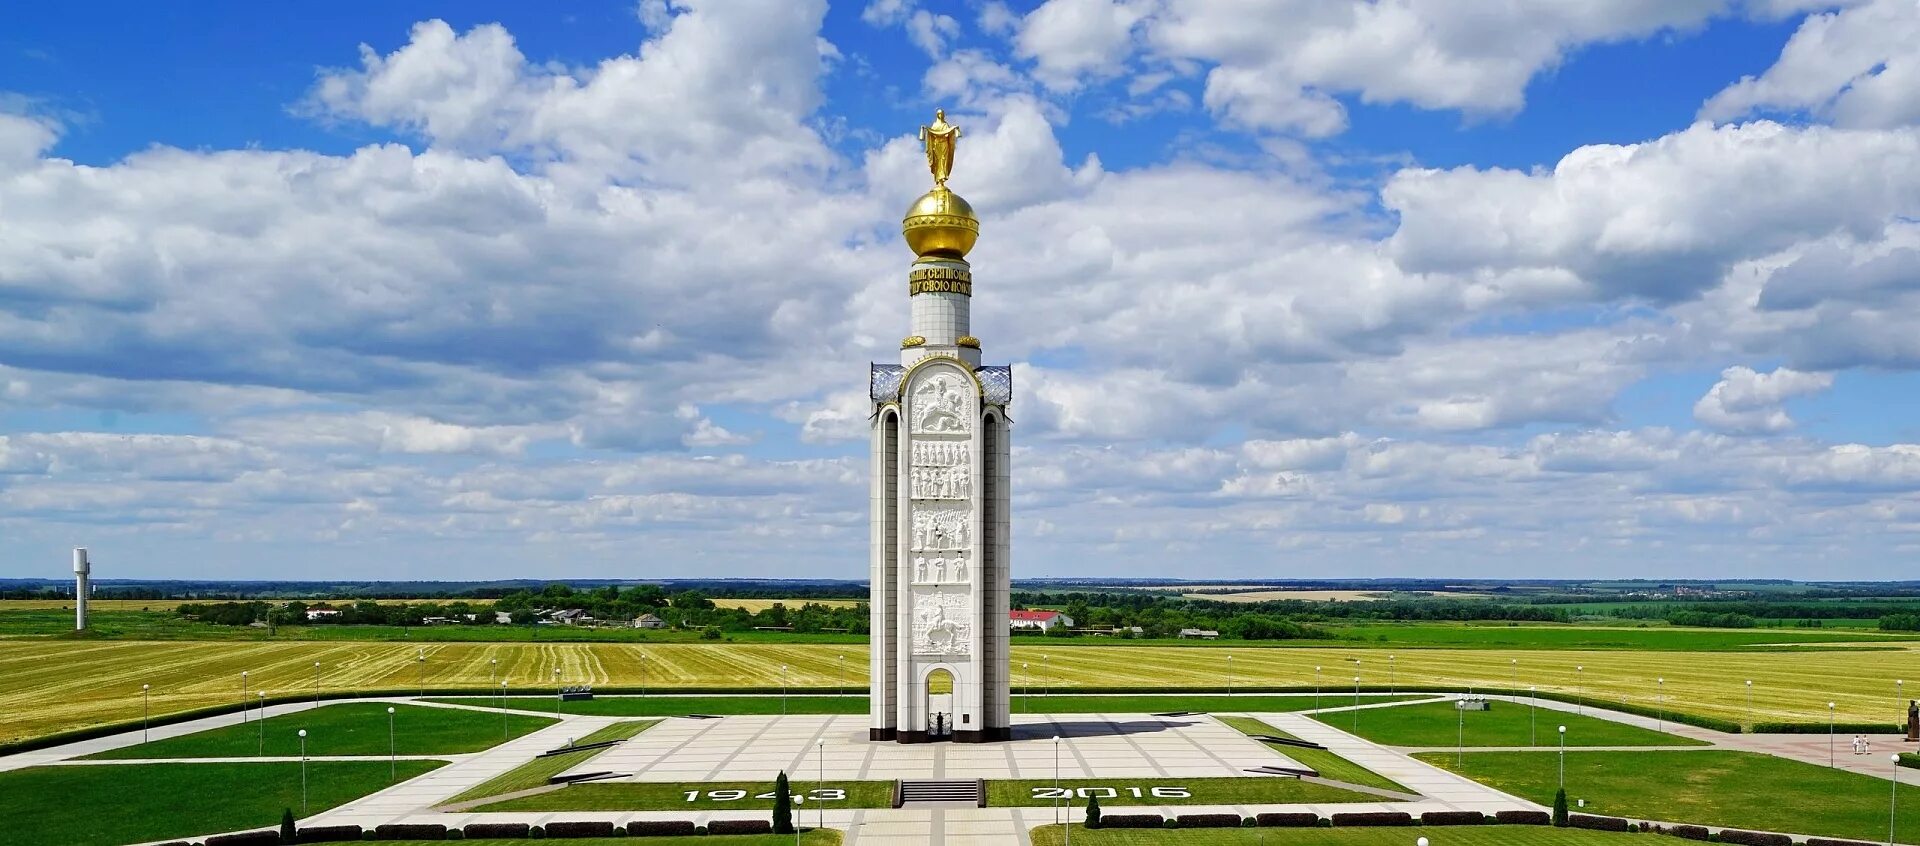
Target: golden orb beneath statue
[941, 224]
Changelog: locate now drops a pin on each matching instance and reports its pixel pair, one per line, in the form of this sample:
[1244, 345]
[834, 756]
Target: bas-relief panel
[942, 405]
[940, 624]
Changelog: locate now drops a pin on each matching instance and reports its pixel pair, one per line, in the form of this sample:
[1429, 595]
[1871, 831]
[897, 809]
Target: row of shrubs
[1823, 728]
[486, 831]
[1401, 818]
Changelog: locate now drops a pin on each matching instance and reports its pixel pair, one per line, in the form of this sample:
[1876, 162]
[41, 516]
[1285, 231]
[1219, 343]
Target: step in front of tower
[944, 792]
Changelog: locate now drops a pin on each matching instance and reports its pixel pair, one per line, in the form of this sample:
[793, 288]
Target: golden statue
[940, 139]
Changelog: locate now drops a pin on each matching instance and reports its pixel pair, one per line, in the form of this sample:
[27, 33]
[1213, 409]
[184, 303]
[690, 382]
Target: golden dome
[940, 224]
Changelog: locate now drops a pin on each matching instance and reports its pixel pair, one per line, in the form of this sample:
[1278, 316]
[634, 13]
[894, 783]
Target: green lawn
[1255, 790]
[667, 706]
[1739, 789]
[1328, 764]
[705, 796]
[1506, 724]
[356, 728]
[129, 803]
[1492, 835]
[535, 773]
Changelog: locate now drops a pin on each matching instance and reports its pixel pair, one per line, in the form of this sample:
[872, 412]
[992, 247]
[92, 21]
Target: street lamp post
[493, 670]
[1893, 800]
[1056, 779]
[260, 720]
[1578, 708]
[1229, 675]
[1660, 705]
[1830, 707]
[503, 709]
[820, 748]
[1533, 732]
[393, 772]
[843, 674]
[1513, 674]
[1563, 757]
[1356, 704]
[303, 772]
[420, 671]
[1460, 735]
[1026, 680]
[1046, 673]
[316, 685]
[1389, 675]
[1750, 714]
[243, 696]
[143, 712]
[556, 693]
[1316, 688]
[783, 690]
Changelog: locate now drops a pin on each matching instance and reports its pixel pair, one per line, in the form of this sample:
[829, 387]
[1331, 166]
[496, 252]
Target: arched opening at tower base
[940, 710]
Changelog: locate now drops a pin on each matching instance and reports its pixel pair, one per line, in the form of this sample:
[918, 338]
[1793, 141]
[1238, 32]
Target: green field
[535, 773]
[1505, 724]
[1266, 790]
[1738, 789]
[1628, 635]
[1492, 835]
[1327, 764]
[354, 728]
[110, 804]
[674, 796]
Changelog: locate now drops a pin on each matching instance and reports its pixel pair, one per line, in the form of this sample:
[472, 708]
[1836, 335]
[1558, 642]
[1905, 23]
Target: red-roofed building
[1042, 620]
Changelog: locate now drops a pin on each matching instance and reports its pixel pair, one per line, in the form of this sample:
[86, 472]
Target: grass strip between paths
[1712, 787]
[354, 728]
[107, 804]
[1328, 764]
[667, 706]
[535, 773]
[1502, 724]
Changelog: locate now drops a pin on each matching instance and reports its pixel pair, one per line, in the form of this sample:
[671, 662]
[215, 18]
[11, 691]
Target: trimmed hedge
[580, 828]
[1453, 818]
[1754, 838]
[1523, 818]
[1597, 823]
[327, 834]
[661, 828]
[1821, 728]
[410, 831]
[1827, 841]
[1372, 818]
[1131, 821]
[1690, 832]
[1294, 819]
[1908, 759]
[740, 827]
[245, 838]
[1208, 820]
[496, 831]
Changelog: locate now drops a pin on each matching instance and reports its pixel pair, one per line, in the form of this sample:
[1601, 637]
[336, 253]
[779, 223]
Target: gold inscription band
[940, 286]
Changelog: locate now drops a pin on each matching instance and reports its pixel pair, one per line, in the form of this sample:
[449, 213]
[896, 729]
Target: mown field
[53, 685]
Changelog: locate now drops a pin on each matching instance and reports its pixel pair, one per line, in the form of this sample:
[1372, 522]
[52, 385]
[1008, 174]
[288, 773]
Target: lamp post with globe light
[557, 695]
[1563, 757]
[303, 772]
[1660, 705]
[1389, 675]
[1533, 700]
[1578, 708]
[1830, 707]
[243, 696]
[1356, 704]
[143, 712]
[393, 772]
[1893, 800]
[1750, 715]
[1316, 688]
[783, 690]
[260, 720]
[503, 709]
[1229, 675]
[316, 684]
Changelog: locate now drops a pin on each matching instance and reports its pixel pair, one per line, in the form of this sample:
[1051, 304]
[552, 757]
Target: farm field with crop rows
[53, 685]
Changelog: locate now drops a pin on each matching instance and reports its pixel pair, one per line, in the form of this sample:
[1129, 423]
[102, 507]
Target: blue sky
[1400, 288]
